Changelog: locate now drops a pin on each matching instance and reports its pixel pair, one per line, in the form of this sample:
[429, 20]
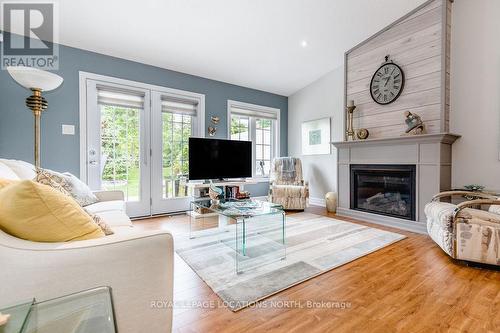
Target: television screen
[218, 159]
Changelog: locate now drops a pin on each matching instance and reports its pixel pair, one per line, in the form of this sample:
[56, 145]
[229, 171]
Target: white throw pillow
[23, 170]
[78, 189]
[7, 173]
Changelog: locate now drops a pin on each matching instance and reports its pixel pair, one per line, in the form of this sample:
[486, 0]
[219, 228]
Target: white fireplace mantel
[446, 138]
[430, 153]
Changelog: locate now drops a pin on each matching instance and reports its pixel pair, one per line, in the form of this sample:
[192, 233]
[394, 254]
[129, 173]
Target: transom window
[259, 124]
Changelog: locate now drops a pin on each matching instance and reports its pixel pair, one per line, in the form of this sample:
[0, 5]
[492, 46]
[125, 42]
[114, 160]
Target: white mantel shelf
[446, 138]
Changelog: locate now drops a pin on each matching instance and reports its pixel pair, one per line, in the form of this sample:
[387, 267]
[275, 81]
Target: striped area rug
[314, 245]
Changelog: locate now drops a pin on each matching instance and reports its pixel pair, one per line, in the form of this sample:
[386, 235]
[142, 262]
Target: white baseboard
[317, 202]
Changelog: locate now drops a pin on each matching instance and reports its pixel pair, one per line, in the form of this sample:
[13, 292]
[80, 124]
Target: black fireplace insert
[384, 189]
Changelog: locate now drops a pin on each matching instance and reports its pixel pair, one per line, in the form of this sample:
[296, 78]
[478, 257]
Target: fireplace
[384, 189]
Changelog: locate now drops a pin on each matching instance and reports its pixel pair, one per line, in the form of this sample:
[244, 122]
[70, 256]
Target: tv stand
[198, 188]
[220, 182]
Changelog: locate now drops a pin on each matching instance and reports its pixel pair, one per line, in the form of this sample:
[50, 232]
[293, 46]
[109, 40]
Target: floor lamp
[37, 81]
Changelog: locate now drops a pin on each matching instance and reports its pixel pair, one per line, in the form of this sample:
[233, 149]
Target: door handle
[92, 160]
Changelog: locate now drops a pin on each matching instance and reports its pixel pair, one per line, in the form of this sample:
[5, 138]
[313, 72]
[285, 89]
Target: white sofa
[137, 265]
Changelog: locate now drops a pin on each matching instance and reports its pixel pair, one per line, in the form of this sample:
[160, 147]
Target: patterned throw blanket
[288, 169]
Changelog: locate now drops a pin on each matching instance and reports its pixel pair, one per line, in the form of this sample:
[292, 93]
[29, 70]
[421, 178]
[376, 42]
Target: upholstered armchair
[287, 187]
[465, 231]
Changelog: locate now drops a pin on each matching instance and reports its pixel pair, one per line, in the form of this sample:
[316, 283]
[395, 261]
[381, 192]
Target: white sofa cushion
[115, 218]
[105, 206]
[7, 173]
[23, 170]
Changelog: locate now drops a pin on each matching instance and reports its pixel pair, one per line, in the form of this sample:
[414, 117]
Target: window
[263, 146]
[240, 128]
[177, 127]
[260, 125]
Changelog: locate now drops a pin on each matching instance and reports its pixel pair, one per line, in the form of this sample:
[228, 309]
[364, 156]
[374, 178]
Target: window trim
[276, 130]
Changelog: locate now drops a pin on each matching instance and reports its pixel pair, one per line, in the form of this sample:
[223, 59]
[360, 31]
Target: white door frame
[154, 143]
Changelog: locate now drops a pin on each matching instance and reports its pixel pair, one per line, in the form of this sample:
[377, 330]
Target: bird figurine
[414, 123]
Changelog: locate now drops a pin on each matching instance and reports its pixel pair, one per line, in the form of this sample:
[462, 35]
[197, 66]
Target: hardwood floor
[410, 286]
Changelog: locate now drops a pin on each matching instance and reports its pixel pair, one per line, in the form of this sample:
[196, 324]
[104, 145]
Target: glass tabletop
[86, 311]
[234, 208]
[18, 315]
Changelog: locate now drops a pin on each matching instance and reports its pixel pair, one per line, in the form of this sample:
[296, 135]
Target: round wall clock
[387, 83]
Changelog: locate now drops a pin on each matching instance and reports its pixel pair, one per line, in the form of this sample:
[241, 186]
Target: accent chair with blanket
[287, 187]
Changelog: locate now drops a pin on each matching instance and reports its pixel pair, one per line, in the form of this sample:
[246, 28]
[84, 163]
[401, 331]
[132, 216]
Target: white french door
[173, 122]
[135, 139]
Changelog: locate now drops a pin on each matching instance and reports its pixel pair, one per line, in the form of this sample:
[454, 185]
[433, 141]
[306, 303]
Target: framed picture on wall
[316, 137]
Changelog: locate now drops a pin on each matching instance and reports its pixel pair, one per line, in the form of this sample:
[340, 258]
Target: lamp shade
[30, 78]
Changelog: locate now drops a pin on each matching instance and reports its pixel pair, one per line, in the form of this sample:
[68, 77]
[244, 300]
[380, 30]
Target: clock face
[387, 83]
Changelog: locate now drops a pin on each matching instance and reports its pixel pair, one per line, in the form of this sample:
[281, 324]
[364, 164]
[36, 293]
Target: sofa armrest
[445, 194]
[487, 216]
[109, 195]
[138, 266]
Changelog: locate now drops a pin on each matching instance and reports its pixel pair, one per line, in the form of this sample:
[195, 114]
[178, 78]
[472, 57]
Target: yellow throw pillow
[59, 184]
[4, 182]
[39, 213]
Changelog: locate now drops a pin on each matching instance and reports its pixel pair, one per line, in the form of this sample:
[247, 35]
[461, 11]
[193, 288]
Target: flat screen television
[219, 159]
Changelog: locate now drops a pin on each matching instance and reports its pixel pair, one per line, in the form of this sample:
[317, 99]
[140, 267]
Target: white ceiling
[252, 43]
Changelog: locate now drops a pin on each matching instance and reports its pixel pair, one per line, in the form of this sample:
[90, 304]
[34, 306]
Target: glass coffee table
[253, 229]
[87, 311]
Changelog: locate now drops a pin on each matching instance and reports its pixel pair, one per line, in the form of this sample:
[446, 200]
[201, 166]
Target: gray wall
[475, 92]
[61, 152]
[322, 98]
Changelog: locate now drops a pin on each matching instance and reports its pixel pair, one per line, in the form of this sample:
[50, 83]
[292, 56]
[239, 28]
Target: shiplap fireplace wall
[420, 44]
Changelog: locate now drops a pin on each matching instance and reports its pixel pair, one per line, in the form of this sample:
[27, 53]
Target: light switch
[68, 129]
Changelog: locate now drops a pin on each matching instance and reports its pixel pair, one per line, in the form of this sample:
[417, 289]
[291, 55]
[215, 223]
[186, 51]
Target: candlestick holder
[350, 127]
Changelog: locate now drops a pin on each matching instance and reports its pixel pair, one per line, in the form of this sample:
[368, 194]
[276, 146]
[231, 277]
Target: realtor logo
[29, 35]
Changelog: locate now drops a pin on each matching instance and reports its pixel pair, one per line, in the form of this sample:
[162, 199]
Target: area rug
[314, 245]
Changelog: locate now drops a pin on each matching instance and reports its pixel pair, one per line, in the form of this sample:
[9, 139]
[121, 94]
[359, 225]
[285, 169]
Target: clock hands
[389, 77]
[387, 81]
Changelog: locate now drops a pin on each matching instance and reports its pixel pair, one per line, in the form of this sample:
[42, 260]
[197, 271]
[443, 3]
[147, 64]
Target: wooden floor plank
[409, 286]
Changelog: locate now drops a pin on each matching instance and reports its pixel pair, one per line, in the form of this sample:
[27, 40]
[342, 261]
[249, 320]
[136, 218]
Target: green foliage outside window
[119, 141]
[120, 148]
